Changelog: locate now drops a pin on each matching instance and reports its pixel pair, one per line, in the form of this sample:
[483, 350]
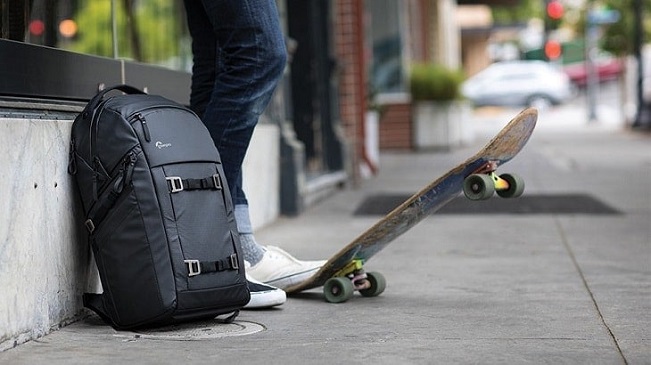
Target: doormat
[527, 204]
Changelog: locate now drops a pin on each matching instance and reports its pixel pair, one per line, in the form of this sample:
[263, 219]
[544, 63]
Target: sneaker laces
[277, 253]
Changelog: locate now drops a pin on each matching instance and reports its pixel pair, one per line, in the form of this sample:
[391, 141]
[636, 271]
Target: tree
[521, 13]
[147, 30]
[619, 37]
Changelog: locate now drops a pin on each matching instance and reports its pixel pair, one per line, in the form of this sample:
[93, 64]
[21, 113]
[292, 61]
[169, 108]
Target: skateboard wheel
[516, 186]
[338, 290]
[478, 187]
[378, 284]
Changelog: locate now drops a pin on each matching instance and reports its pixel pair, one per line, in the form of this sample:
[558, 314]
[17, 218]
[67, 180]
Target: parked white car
[519, 83]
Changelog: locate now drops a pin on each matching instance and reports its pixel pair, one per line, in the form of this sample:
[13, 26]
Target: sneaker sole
[286, 282]
[261, 300]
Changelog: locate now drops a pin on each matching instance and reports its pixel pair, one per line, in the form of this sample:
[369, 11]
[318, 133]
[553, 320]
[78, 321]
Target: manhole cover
[203, 330]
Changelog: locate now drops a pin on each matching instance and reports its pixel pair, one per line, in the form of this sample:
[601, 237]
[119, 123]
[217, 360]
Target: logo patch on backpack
[160, 145]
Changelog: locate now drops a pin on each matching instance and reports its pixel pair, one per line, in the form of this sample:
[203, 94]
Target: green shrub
[435, 82]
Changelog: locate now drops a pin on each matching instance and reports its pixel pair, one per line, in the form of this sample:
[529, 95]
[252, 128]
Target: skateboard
[344, 273]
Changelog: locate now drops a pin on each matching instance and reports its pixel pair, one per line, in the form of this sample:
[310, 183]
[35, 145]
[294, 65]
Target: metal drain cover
[202, 330]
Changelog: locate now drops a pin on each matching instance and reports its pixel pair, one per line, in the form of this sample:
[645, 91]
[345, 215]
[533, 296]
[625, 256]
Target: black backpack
[158, 212]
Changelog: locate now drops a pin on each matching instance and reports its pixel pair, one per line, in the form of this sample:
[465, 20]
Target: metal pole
[592, 36]
[637, 50]
[114, 28]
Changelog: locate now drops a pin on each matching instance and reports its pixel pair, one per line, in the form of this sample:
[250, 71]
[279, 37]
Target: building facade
[348, 57]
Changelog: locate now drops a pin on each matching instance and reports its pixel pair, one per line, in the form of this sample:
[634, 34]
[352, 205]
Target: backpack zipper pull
[145, 128]
[129, 165]
[72, 162]
[125, 174]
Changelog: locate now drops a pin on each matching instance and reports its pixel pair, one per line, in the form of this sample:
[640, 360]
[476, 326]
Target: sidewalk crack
[575, 262]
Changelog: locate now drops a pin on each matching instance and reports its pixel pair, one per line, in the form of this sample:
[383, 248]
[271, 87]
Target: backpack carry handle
[94, 102]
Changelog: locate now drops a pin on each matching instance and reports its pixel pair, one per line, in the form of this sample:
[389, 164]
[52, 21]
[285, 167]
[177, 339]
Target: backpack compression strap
[177, 184]
[196, 267]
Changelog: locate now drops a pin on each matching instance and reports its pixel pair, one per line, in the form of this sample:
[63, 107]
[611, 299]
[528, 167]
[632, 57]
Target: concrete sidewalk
[462, 288]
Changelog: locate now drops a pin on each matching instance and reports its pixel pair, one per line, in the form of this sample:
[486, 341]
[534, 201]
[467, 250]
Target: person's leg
[249, 58]
[204, 53]
[204, 75]
[239, 56]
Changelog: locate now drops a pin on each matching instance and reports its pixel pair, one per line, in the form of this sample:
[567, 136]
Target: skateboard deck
[344, 273]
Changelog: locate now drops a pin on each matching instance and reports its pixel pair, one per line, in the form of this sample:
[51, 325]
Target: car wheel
[540, 102]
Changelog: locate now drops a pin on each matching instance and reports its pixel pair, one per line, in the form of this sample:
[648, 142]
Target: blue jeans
[239, 55]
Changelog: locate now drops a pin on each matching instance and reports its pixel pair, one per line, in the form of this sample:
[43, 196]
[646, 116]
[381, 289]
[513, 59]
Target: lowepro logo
[161, 145]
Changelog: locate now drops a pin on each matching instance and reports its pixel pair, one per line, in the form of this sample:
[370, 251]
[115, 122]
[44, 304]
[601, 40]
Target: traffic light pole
[595, 19]
[551, 45]
[114, 29]
[640, 114]
[592, 86]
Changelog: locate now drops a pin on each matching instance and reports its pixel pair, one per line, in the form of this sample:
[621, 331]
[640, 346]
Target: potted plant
[439, 111]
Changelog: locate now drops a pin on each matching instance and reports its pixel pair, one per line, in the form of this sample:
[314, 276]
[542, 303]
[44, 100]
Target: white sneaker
[282, 270]
[264, 296]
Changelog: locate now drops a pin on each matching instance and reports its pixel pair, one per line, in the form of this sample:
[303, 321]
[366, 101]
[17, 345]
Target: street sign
[603, 16]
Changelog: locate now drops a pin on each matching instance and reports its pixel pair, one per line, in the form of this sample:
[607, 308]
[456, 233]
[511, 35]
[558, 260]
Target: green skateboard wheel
[338, 290]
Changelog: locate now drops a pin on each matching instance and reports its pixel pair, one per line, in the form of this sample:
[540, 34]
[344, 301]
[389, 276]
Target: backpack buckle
[193, 267]
[217, 181]
[90, 225]
[175, 183]
[234, 263]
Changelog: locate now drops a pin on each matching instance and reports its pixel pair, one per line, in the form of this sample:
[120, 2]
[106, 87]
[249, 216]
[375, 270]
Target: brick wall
[353, 59]
[395, 127]
[350, 55]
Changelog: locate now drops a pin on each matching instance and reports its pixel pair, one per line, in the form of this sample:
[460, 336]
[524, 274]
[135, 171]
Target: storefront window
[387, 71]
[146, 31]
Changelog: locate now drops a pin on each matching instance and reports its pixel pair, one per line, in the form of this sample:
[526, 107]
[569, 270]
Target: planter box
[371, 158]
[441, 125]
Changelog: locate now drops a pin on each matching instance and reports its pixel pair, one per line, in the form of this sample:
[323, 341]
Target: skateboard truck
[484, 182]
[353, 277]
[355, 272]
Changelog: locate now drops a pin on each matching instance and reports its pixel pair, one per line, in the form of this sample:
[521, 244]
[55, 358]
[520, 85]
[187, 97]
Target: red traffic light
[36, 27]
[553, 50]
[555, 9]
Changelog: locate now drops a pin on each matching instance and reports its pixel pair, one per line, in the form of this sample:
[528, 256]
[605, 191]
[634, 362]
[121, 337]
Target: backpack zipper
[113, 191]
[72, 162]
[126, 172]
[138, 116]
[145, 129]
